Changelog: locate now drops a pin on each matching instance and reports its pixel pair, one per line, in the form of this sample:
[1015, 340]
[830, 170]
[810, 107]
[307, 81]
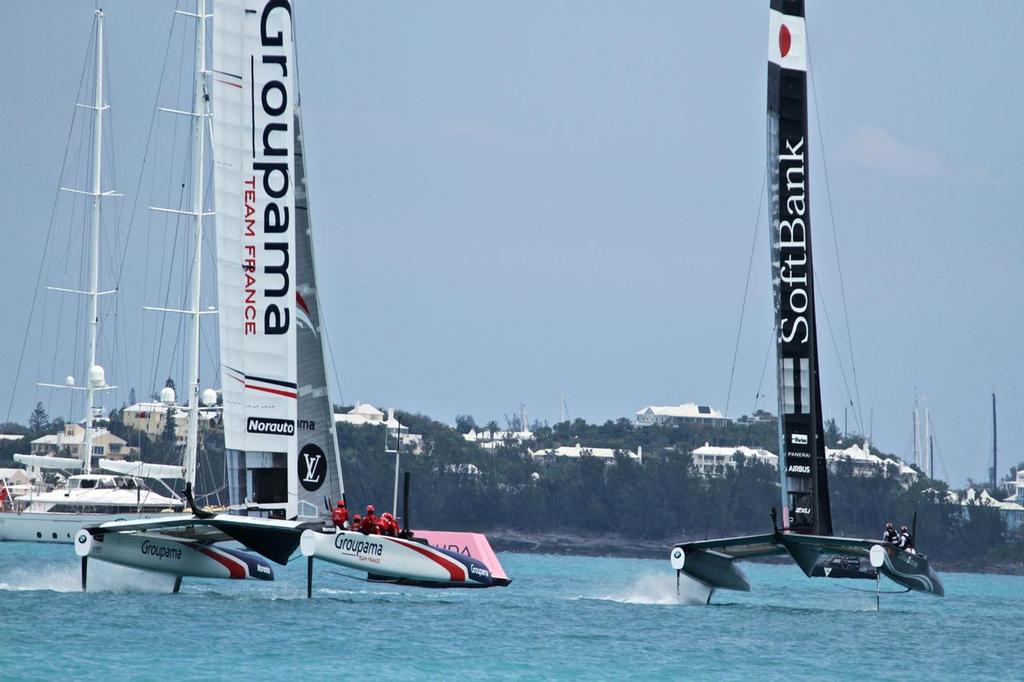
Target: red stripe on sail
[275, 391]
[302, 302]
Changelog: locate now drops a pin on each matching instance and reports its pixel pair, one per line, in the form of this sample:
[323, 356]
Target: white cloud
[879, 150]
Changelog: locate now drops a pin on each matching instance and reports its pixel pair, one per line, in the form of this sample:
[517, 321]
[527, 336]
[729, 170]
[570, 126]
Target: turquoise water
[562, 618]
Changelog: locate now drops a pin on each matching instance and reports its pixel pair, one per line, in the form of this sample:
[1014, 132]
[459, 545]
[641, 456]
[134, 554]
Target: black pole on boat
[85, 572]
[406, 526]
[309, 577]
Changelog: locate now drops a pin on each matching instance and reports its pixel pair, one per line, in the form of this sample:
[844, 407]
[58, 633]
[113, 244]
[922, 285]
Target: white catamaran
[86, 498]
[284, 467]
[806, 532]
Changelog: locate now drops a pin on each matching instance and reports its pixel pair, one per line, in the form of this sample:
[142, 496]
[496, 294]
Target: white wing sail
[253, 151]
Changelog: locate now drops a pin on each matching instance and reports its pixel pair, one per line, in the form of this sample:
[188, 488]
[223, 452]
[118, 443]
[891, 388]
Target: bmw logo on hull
[312, 467]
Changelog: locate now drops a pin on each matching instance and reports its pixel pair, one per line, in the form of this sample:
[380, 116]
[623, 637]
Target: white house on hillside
[150, 417]
[711, 460]
[490, 440]
[365, 414]
[606, 454]
[68, 443]
[674, 415]
[1011, 511]
[864, 463]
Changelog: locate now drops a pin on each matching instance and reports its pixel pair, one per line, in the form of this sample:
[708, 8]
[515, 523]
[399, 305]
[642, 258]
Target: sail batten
[802, 464]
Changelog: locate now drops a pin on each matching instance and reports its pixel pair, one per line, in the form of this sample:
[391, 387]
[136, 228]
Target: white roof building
[691, 413]
[712, 459]
[606, 454]
[69, 442]
[864, 463]
[490, 440]
[149, 417]
[365, 414]
[1012, 512]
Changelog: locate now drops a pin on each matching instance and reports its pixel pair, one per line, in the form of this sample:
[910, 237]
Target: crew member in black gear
[906, 542]
[890, 535]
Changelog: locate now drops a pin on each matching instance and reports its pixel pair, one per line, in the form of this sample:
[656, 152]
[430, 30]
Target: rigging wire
[835, 234]
[746, 288]
[135, 201]
[839, 358]
[764, 368]
[46, 243]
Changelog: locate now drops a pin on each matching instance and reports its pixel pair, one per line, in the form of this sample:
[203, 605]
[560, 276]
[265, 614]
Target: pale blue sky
[512, 200]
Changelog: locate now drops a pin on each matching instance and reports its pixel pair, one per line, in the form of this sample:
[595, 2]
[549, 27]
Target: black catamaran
[806, 532]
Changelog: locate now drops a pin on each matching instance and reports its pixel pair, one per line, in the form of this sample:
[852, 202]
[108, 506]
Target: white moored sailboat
[87, 497]
[284, 468]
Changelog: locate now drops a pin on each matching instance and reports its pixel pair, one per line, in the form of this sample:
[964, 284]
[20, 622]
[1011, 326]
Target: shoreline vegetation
[621, 507]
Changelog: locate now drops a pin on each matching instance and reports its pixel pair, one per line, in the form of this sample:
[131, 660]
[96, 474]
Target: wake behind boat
[806, 533]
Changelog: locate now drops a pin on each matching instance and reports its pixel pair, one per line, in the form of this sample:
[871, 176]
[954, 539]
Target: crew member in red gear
[370, 524]
[357, 522]
[388, 525]
[340, 516]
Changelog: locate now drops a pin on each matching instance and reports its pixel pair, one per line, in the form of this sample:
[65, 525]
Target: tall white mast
[927, 456]
[198, 114]
[94, 375]
[95, 378]
[198, 121]
[917, 437]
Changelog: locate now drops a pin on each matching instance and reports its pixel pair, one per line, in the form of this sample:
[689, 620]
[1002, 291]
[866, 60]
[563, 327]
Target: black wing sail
[803, 468]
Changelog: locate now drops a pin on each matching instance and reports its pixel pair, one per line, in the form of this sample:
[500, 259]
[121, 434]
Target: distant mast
[995, 445]
[803, 469]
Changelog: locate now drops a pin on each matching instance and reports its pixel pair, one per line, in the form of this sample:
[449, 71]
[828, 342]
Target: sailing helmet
[370, 509]
[357, 518]
[341, 504]
[903, 529]
[888, 524]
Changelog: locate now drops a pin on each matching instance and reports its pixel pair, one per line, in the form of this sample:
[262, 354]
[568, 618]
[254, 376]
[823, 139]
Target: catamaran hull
[181, 558]
[55, 527]
[397, 559]
[912, 571]
[473, 545]
[712, 562]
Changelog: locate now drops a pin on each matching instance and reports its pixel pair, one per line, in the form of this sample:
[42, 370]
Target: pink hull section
[474, 545]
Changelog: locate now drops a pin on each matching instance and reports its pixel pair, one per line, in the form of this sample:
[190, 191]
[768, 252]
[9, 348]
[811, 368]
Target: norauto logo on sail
[267, 259]
[793, 261]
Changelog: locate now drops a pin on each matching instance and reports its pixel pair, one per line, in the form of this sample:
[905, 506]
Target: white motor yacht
[56, 515]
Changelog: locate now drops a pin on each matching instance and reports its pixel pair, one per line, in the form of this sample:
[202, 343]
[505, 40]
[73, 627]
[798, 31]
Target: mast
[803, 469]
[931, 457]
[94, 376]
[926, 456]
[917, 437]
[995, 445]
[198, 120]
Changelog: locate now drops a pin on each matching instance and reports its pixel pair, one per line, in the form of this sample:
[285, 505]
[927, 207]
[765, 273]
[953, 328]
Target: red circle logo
[785, 40]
